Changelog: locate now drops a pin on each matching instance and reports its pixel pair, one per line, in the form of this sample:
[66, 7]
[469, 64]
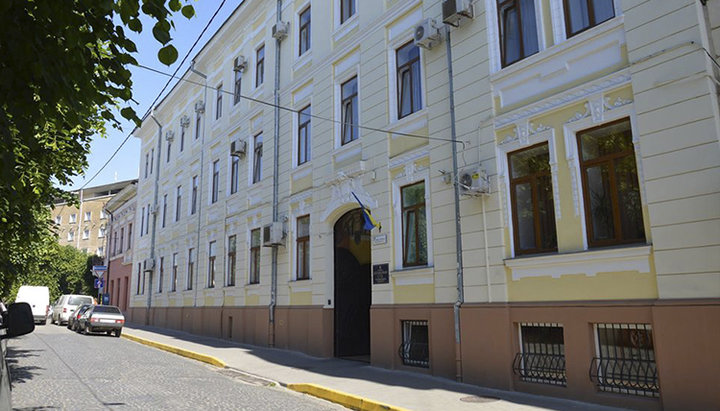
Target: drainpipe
[154, 218]
[276, 180]
[200, 185]
[456, 195]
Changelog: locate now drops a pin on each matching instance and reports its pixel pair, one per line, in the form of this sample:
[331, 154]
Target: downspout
[200, 185]
[154, 218]
[456, 194]
[276, 180]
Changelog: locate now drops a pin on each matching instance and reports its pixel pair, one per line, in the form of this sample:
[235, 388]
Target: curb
[179, 351]
[347, 400]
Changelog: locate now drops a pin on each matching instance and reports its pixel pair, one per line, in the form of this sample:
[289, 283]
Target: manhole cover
[479, 399]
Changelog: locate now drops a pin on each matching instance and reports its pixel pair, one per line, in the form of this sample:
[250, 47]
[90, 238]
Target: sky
[146, 86]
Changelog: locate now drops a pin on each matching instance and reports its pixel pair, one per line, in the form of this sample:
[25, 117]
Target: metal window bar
[625, 361]
[414, 350]
[542, 354]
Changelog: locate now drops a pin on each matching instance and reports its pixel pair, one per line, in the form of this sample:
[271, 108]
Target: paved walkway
[400, 389]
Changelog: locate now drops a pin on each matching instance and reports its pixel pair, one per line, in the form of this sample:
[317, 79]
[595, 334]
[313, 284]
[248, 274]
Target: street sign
[99, 283]
[99, 270]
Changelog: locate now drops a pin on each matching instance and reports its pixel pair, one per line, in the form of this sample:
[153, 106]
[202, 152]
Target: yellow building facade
[588, 161]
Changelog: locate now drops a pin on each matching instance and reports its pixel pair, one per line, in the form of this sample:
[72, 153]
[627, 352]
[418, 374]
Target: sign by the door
[381, 273]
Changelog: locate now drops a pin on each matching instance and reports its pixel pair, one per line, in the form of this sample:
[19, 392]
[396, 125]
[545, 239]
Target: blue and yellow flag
[370, 222]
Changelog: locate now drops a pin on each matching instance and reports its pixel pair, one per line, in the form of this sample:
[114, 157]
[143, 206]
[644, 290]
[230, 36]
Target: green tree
[64, 71]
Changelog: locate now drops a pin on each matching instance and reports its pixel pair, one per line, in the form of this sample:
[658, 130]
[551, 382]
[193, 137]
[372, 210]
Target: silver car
[101, 318]
[65, 305]
[72, 319]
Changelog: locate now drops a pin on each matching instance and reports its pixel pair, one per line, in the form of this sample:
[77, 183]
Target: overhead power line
[292, 110]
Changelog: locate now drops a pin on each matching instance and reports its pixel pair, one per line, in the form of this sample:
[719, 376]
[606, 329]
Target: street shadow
[363, 371]
[41, 407]
[18, 373]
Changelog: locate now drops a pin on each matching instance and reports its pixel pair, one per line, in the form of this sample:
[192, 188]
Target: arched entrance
[352, 286]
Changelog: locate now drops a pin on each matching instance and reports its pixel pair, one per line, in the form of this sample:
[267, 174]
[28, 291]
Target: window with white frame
[211, 265]
[178, 202]
[138, 280]
[174, 274]
[531, 197]
[215, 181]
[182, 138]
[152, 160]
[58, 219]
[164, 210]
[581, 15]
[349, 111]
[101, 251]
[254, 269]
[101, 232]
[302, 243]
[218, 101]
[147, 219]
[70, 235]
[542, 354]
[194, 195]
[408, 77]
[257, 158]
[347, 10]
[198, 124]
[259, 66]
[234, 174]
[304, 31]
[611, 192]
[414, 225]
[115, 243]
[232, 261]
[517, 30]
[169, 150]
[190, 269]
[88, 215]
[86, 234]
[147, 164]
[103, 214]
[237, 81]
[122, 239]
[304, 133]
[73, 218]
[129, 238]
[142, 222]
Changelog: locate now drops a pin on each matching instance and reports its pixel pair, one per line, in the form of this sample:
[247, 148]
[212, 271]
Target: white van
[66, 304]
[39, 299]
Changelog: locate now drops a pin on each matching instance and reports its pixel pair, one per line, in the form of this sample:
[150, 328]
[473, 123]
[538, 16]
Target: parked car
[15, 320]
[101, 318]
[72, 319]
[65, 305]
[39, 299]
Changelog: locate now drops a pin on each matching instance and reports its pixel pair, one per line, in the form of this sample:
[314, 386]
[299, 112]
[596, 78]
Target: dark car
[72, 319]
[101, 318]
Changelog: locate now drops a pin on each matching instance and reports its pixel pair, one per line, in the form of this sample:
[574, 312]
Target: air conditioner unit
[474, 182]
[273, 234]
[170, 135]
[280, 30]
[238, 148]
[455, 11]
[426, 34]
[240, 63]
[149, 264]
[200, 106]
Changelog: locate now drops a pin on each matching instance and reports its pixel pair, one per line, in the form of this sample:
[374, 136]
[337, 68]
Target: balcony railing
[540, 368]
[626, 376]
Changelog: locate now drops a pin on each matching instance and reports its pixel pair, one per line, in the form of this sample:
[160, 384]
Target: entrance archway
[352, 286]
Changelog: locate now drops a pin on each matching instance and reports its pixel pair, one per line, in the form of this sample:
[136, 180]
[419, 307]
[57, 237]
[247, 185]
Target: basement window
[542, 354]
[625, 361]
[415, 349]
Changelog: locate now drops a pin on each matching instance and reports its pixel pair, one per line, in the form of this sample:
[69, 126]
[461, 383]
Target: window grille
[415, 349]
[625, 361]
[542, 354]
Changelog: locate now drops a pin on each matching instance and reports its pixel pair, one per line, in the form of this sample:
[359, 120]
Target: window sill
[345, 28]
[300, 286]
[424, 274]
[303, 60]
[301, 171]
[347, 151]
[409, 123]
[252, 289]
[589, 262]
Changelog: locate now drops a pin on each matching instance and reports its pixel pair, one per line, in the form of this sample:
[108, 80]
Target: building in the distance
[585, 260]
[85, 227]
[118, 256]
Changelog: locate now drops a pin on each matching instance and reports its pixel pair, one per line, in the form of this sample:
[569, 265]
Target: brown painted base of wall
[686, 337]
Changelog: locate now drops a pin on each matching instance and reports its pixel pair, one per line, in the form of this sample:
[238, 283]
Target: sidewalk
[336, 377]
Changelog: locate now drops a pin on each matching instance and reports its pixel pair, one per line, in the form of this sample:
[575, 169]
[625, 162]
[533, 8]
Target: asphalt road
[55, 368]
